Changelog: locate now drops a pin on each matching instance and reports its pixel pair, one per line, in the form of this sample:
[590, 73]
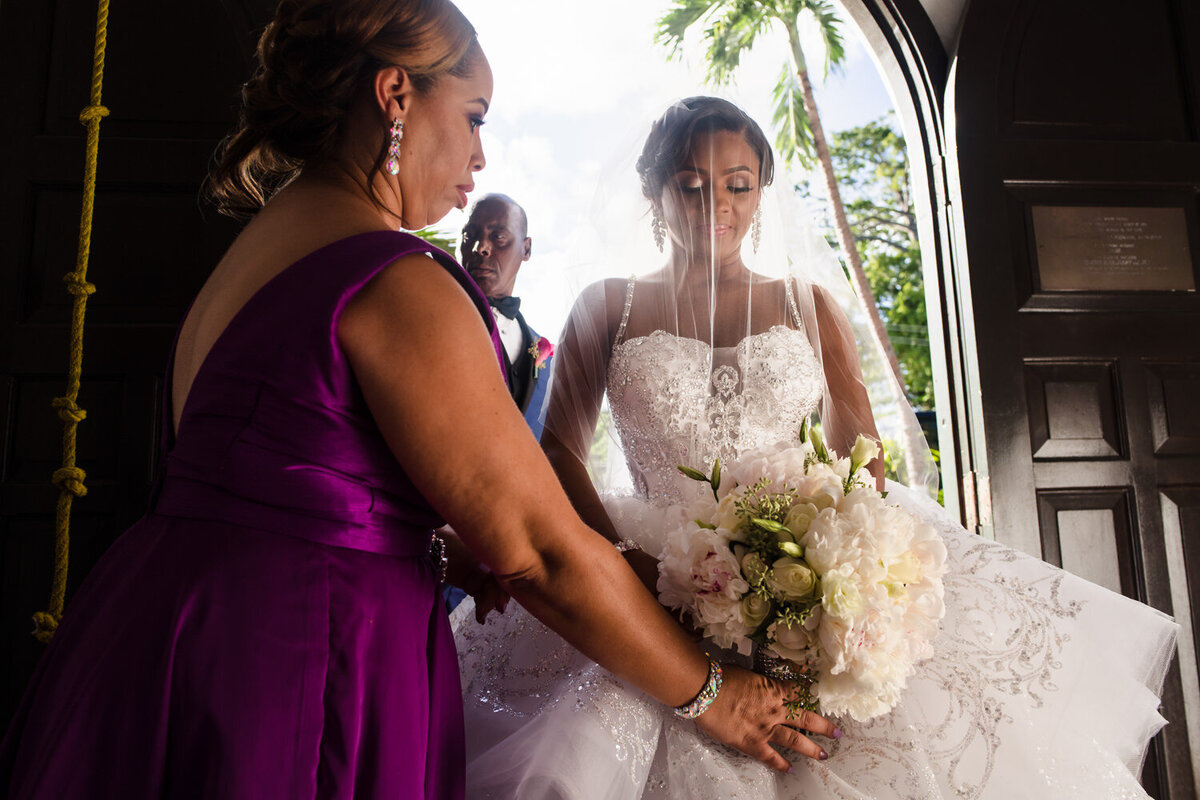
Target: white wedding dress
[1042, 686]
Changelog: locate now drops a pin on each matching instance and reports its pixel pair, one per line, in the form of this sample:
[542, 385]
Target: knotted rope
[70, 478]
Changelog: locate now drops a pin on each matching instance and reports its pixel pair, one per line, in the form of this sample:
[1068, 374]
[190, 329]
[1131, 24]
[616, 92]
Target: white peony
[840, 596]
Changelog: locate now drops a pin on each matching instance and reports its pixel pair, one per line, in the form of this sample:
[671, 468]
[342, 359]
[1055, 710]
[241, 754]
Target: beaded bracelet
[437, 554]
[705, 699]
[625, 545]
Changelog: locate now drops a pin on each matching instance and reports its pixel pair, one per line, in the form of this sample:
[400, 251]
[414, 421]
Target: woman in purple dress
[271, 628]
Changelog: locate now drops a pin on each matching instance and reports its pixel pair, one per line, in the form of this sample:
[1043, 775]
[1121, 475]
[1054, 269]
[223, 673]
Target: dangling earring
[660, 229]
[393, 162]
[756, 228]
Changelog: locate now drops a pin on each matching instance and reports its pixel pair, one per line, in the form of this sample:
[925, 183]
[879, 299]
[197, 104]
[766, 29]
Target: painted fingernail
[823, 755]
[837, 733]
[791, 769]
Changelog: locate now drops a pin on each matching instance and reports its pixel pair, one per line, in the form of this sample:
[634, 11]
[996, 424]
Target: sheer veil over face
[736, 275]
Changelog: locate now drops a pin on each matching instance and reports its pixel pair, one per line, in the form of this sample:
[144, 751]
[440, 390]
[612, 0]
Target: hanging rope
[69, 478]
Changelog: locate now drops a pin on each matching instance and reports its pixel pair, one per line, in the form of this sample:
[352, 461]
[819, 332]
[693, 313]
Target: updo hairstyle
[669, 144]
[314, 60]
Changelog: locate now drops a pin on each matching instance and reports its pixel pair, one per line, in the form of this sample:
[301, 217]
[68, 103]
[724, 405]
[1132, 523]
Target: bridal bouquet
[796, 552]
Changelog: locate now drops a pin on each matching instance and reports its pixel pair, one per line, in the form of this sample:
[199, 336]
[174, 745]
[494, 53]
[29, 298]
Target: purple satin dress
[272, 627]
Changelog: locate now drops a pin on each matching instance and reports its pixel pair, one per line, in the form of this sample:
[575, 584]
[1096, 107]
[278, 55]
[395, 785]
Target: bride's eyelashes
[694, 188]
[477, 123]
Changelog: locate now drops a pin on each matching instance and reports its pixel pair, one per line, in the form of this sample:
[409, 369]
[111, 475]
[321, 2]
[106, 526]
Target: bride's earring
[393, 162]
[756, 228]
[659, 228]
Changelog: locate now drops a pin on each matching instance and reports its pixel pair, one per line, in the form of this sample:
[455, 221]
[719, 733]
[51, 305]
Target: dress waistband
[383, 534]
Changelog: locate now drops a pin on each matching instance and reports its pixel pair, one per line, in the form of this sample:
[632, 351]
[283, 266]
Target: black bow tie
[508, 306]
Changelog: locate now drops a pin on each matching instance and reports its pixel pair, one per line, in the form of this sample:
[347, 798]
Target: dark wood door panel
[172, 77]
[1091, 533]
[1087, 385]
[1081, 92]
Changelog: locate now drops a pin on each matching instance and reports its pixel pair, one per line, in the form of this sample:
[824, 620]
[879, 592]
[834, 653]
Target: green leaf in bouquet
[804, 429]
[706, 525]
[694, 474]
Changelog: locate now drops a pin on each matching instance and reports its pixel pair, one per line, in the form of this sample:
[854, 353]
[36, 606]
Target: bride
[1041, 686]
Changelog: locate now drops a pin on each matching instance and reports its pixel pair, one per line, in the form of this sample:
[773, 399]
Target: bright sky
[577, 83]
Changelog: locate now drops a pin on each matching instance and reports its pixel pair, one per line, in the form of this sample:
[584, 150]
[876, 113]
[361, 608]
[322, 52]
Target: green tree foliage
[871, 165]
[442, 239]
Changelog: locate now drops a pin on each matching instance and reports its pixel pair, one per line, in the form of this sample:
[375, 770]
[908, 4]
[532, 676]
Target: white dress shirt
[510, 335]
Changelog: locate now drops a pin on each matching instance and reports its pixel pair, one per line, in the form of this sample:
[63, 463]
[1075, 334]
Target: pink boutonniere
[541, 350]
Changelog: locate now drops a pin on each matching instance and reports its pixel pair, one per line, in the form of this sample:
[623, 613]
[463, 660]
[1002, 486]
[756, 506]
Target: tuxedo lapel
[522, 370]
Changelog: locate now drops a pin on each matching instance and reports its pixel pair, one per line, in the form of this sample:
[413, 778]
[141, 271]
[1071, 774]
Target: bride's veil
[697, 178]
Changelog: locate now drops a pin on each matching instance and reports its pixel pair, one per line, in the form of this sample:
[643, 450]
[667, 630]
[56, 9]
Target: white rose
[755, 609]
[840, 596]
[790, 579]
[795, 642]
[753, 567]
[800, 517]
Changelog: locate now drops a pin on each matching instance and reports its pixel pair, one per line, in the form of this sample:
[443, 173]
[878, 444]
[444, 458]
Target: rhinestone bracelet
[437, 554]
[705, 699]
[625, 545]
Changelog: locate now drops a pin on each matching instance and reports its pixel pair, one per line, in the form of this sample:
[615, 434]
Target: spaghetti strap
[625, 311]
[790, 291]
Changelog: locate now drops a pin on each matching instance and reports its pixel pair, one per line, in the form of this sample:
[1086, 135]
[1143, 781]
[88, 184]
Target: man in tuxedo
[495, 243]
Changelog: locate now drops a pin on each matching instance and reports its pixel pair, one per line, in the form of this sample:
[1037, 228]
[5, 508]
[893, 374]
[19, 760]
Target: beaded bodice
[676, 400]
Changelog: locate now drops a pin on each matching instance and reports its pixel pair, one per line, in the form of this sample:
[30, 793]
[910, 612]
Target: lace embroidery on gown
[1025, 696]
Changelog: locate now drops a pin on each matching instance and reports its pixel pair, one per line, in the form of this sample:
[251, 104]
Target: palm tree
[732, 27]
[439, 238]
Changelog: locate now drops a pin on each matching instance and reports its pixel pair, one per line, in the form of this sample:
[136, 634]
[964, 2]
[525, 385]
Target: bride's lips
[715, 230]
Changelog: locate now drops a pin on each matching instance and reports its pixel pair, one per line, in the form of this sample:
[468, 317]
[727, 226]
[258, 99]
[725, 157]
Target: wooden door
[171, 83]
[1077, 155]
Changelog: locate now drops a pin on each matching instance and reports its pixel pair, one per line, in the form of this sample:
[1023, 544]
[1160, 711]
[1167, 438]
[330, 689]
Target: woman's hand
[464, 571]
[489, 596]
[749, 715]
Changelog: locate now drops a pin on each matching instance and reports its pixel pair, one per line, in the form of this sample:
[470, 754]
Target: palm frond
[446, 240]
[794, 139]
[673, 25]
[730, 36]
[829, 25]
